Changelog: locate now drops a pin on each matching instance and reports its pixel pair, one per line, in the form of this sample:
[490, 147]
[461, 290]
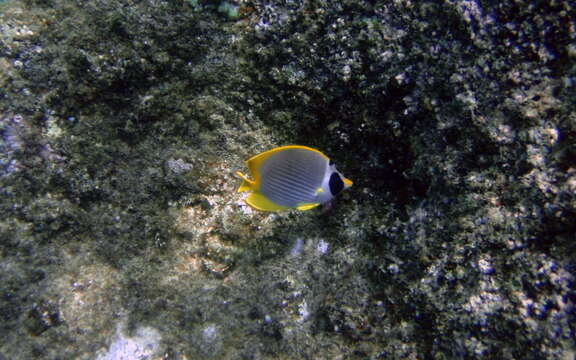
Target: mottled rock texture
[122, 123]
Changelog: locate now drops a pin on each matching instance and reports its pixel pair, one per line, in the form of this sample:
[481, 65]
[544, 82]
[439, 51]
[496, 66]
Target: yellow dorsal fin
[255, 162]
[247, 184]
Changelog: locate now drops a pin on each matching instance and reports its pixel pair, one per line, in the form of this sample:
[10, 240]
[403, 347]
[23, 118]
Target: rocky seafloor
[122, 123]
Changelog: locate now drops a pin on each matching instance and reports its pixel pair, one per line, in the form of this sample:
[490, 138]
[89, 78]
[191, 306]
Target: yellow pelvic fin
[304, 207]
[261, 202]
[247, 184]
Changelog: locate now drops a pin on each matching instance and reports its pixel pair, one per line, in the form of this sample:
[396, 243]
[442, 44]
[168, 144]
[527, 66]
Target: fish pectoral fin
[247, 184]
[261, 202]
[304, 207]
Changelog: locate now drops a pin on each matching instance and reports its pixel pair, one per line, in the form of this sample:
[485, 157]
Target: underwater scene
[287, 179]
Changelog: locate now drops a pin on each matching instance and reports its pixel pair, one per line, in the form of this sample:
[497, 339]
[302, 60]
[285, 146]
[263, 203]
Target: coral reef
[122, 123]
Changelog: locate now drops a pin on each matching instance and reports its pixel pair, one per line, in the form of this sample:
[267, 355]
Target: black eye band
[336, 184]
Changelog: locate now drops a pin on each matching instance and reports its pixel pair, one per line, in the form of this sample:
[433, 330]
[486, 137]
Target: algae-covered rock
[122, 124]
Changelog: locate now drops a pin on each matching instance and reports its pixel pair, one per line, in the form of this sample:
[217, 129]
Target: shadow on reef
[124, 121]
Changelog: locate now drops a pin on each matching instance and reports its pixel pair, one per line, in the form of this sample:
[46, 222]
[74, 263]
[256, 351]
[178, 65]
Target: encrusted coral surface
[122, 124]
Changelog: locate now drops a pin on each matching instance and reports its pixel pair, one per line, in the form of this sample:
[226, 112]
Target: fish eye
[336, 184]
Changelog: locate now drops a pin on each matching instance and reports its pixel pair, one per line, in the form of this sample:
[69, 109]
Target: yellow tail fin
[247, 184]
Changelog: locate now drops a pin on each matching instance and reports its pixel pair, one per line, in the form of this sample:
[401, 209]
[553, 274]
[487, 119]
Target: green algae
[123, 123]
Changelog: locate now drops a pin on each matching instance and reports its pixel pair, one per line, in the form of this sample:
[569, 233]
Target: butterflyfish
[291, 177]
